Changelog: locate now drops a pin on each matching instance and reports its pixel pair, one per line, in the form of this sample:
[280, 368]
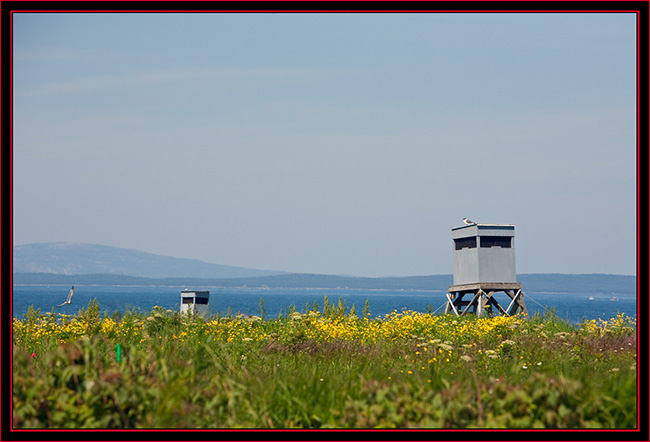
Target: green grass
[322, 370]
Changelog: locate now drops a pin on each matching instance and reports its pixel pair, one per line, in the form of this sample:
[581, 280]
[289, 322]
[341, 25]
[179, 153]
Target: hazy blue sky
[328, 143]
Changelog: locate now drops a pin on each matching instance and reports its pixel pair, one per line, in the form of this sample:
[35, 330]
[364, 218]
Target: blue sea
[573, 307]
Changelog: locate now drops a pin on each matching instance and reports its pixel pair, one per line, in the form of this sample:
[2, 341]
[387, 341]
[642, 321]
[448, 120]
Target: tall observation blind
[484, 253]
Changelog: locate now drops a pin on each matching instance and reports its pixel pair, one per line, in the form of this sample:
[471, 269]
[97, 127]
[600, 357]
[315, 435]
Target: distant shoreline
[233, 287]
[532, 282]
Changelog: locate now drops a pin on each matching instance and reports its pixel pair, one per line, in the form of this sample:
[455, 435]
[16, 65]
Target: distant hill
[76, 259]
[531, 282]
[90, 264]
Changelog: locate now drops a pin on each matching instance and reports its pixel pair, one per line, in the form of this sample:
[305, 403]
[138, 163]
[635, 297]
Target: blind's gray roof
[487, 226]
[483, 230]
[198, 293]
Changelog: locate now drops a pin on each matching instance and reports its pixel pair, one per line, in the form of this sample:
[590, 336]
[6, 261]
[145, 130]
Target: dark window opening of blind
[465, 243]
[496, 241]
[187, 300]
[202, 301]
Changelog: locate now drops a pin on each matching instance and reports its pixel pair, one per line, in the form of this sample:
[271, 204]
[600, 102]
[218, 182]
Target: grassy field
[329, 367]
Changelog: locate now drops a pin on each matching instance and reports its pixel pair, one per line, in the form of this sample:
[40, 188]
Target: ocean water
[572, 307]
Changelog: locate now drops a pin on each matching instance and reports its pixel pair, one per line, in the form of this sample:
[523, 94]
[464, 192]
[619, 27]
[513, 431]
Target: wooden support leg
[450, 302]
[448, 305]
[472, 303]
[522, 303]
[512, 308]
[496, 304]
[481, 303]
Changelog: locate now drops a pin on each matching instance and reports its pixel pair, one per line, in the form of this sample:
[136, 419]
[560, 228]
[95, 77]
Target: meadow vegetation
[329, 367]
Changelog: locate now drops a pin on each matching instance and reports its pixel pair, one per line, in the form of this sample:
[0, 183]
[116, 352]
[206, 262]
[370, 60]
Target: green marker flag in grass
[119, 352]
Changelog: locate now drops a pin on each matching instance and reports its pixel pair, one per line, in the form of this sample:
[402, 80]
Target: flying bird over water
[67, 301]
[468, 222]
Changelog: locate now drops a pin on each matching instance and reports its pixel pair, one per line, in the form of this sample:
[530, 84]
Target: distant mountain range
[86, 264]
[63, 258]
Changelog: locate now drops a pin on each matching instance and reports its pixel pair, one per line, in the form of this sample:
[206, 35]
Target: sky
[345, 144]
